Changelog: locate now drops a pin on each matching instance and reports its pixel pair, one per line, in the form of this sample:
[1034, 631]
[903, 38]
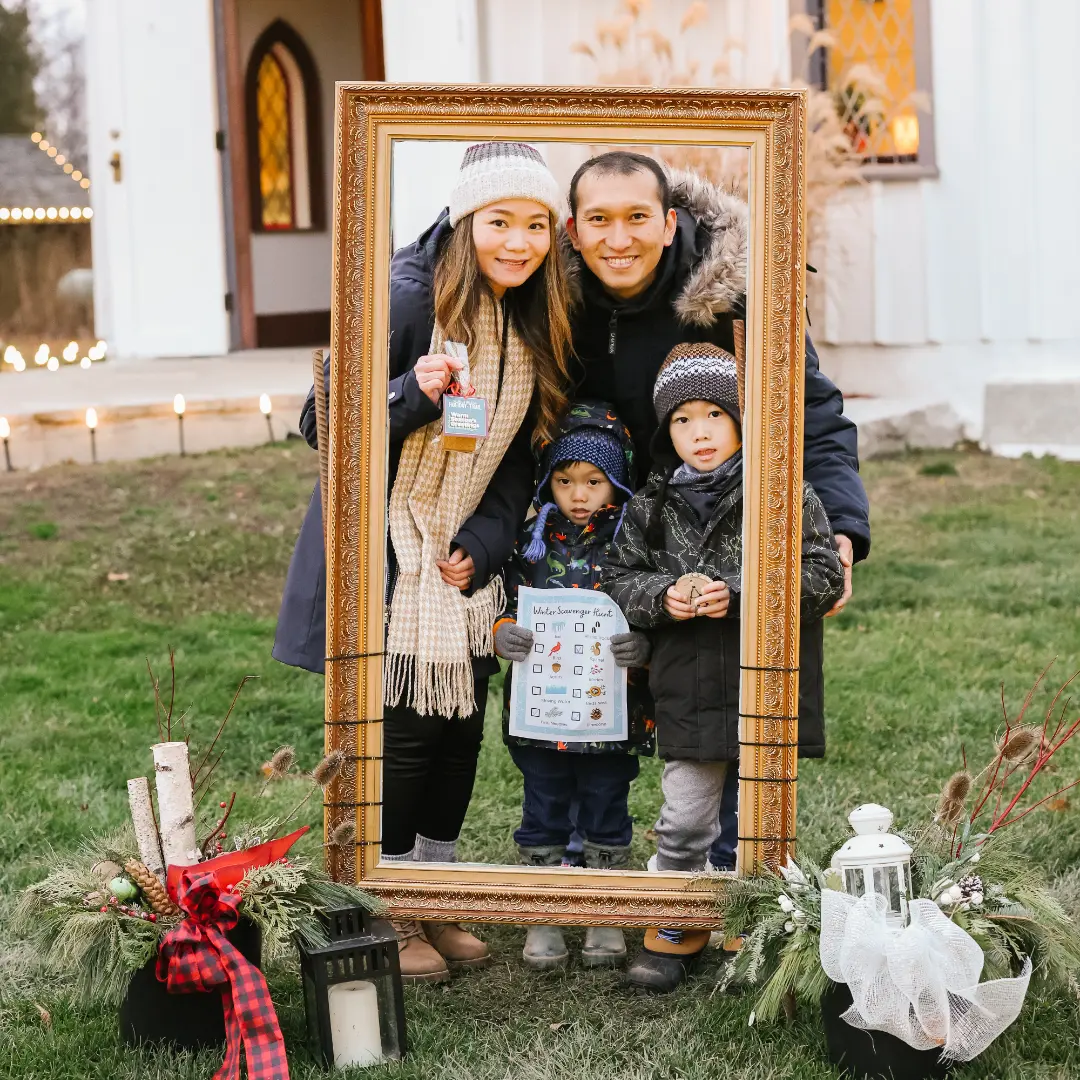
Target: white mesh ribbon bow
[920, 983]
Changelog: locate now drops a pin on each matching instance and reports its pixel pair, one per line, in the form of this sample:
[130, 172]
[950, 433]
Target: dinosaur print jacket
[575, 557]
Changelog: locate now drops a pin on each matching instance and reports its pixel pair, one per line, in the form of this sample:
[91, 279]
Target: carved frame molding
[771, 125]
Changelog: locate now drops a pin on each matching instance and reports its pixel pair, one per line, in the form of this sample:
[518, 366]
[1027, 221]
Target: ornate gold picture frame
[770, 125]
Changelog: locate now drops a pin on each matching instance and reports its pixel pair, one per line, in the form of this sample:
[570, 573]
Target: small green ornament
[123, 888]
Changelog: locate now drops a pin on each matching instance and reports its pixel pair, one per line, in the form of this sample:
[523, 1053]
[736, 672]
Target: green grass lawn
[974, 582]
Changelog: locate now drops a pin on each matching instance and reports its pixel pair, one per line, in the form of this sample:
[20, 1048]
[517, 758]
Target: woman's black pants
[429, 767]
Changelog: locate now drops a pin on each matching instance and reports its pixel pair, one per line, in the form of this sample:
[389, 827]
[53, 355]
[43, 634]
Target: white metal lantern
[877, 861]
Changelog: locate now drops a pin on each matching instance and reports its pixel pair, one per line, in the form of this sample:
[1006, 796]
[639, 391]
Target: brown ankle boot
[419, 961]
[456, 945]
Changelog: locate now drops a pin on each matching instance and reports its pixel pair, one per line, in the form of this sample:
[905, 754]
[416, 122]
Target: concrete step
[1033, 416]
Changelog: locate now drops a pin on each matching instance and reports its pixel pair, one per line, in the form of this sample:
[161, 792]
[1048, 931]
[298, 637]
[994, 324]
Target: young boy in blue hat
[587, 475]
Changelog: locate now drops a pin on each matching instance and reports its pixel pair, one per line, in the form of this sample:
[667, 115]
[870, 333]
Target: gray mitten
[631, 649]
[513, 641]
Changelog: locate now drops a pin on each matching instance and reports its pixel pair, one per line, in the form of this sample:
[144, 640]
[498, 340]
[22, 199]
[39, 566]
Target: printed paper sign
[570, 688]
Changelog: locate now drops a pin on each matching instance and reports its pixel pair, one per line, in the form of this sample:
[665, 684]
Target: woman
[486, 274]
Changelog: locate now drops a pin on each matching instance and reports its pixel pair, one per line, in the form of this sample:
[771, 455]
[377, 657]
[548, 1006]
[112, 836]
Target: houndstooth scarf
[435, 630]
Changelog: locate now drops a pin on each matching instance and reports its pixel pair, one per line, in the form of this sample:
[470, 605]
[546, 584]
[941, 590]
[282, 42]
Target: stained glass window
[872, 70]
[275, 145]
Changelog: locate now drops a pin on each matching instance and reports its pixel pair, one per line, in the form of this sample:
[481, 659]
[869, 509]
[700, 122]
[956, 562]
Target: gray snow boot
[604, 946]
[545, 948]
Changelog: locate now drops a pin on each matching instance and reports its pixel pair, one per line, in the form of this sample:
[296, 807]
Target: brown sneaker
[419, 961]
[456, 945]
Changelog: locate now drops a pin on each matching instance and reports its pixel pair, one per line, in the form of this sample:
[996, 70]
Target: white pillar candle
[354, 1024]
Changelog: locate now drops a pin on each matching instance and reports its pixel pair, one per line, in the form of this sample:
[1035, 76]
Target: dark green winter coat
[694, 673]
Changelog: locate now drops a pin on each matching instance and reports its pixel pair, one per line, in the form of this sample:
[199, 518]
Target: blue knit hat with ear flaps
[594, 445]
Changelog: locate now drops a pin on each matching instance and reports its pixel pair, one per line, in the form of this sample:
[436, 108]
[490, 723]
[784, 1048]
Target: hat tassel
[537, 549]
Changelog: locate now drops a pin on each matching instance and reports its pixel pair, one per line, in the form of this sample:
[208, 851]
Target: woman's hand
[677, 605]
[458, 570]
[433, 374]
[714, 600]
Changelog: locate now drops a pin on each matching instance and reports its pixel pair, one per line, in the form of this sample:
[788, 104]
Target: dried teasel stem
[282, 760]
[342, 835]
[151, 888]
[1021, 744]
[322, 776]
[953, 798]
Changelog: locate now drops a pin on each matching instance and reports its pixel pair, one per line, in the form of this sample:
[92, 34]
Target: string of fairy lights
[35, 215]
[44, 358]
[92, 421]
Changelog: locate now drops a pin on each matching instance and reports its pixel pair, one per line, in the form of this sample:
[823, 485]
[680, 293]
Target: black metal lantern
[352, 990]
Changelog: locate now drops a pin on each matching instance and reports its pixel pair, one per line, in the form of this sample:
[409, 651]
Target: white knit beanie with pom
[492, 171]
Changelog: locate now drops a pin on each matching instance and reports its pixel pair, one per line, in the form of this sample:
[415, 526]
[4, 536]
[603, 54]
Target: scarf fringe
[481, 611]
[431, 688]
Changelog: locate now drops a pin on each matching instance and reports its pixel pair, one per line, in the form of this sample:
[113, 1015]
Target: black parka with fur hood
[699, 290]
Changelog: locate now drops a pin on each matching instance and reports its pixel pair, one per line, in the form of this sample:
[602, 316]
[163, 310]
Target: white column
[427, 41]
[159, 244]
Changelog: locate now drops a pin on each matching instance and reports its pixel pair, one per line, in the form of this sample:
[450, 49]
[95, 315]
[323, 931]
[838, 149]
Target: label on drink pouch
[465, 416]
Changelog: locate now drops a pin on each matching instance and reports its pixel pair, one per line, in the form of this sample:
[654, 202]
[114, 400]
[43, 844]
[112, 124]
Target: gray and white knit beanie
[697, 372]
[491, 171]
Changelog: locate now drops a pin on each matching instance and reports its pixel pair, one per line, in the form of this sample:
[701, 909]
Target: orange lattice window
[275, 145]
[872, 69]
[284, 147]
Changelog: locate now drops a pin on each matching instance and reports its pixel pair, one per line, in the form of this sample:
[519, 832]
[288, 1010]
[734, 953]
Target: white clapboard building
[953, 266]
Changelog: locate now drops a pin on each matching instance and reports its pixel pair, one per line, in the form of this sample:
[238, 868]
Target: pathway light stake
[352, 990]
[876, 861]
[178, 408]
[267, 409]
[91, 423]
[5, 434]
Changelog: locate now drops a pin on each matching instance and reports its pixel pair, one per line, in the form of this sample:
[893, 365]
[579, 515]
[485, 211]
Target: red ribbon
[197, 957]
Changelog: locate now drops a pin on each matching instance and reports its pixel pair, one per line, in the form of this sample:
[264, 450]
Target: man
[660, 260]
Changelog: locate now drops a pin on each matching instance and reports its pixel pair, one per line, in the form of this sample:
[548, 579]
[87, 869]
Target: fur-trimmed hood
[713, 232]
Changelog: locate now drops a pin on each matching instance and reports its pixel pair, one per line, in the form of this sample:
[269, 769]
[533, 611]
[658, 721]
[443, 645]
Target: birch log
[142, 817]
[175, 803]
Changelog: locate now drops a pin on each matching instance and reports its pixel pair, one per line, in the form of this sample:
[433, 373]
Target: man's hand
[846, 553]
[677, 605]
[513, 642]
[631, 649]
[714, 600]
[433, 374]
[458, 570]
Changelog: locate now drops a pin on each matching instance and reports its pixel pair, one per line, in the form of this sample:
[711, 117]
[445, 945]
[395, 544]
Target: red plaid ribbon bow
[196, 956]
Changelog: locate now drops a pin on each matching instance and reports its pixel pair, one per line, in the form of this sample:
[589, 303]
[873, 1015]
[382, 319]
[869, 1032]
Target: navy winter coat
[488, 536]
[698, 290]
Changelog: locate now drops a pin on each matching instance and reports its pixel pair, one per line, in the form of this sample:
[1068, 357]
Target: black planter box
[873, 1054]
[149, 1013]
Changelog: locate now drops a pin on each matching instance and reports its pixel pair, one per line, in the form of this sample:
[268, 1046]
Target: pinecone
[971, 886]
[151, 888]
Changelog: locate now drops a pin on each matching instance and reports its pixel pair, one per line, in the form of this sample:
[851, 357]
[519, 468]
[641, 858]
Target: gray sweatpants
[690, 819]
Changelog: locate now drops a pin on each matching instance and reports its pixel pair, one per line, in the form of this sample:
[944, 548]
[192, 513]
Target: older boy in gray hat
[675, 569]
